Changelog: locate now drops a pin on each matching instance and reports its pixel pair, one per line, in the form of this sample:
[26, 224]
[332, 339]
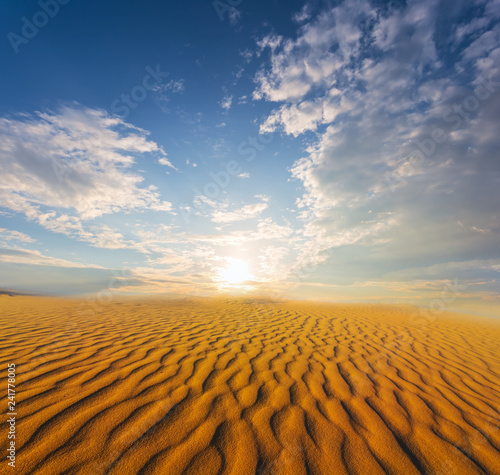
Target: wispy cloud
[10, 235]
[166, 162]
[246, 212]
[31, 257]
[162, 93]
[64, 167]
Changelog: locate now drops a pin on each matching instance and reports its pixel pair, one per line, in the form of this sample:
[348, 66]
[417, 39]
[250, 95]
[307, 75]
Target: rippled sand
[239, 386]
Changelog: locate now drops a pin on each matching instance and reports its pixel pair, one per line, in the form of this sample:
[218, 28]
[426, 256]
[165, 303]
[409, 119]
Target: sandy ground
[239, 386]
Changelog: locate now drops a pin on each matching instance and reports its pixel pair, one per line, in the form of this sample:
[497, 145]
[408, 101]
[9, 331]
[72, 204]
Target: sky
[341, 151]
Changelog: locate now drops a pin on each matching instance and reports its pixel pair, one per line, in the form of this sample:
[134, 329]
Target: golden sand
[239, 386]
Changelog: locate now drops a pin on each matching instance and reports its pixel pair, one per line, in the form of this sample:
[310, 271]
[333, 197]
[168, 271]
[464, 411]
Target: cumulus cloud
[315, 59]
[405, 147]
[74, 164]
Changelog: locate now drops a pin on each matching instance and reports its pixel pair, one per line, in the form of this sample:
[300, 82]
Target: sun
[235, 273]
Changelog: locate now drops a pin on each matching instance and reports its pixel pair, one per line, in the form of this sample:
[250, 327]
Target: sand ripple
[235, 386]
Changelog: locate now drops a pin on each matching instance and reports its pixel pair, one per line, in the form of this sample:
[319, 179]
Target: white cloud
[75, 159]
[304, 14]
[372, 188]
[492, 9]
[273, 265]
[23, 256]
[163, 92]
[176, 86]
[307, 115]
[484, 45]
[269, 230]
[226, 102]
[270, 41]
[171, 261]
[315, 59]
[264, 198]
[246, 212]
[166, 162]
[201, 200]
[247, 55]
[470, 28]
[10, 235]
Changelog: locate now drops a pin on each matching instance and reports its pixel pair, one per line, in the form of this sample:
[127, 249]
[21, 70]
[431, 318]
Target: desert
[249, 386]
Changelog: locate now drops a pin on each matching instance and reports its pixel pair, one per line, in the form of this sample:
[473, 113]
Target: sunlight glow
[236, 272]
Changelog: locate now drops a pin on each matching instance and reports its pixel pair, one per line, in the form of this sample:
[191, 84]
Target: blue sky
[343, 150]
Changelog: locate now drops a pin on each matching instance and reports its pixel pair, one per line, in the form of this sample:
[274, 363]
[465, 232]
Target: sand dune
[238, 386]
